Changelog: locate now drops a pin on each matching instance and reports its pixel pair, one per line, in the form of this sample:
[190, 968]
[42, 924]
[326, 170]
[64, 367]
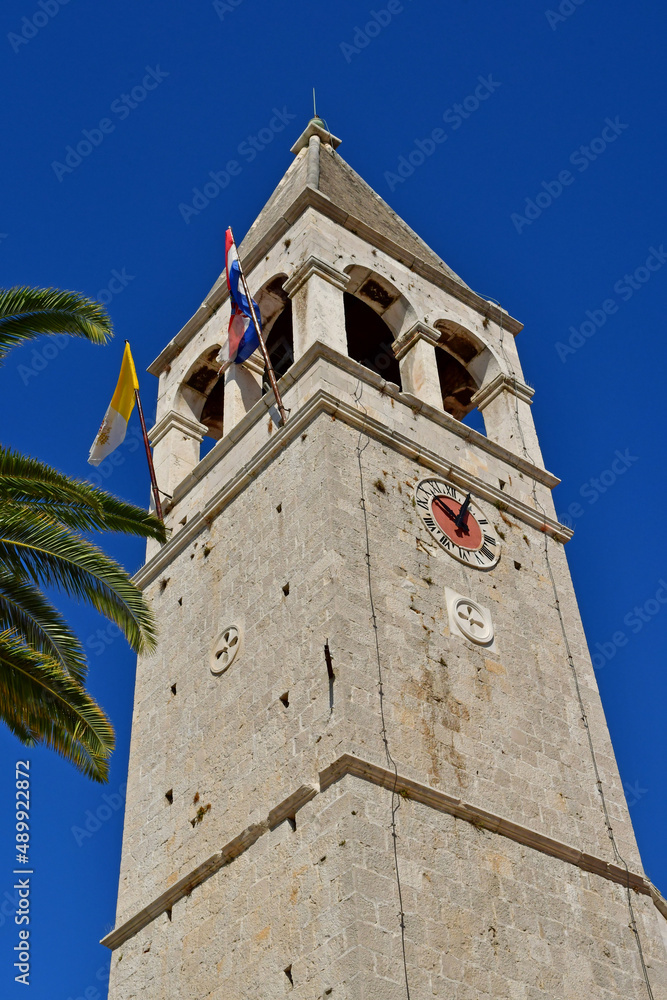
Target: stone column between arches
[176, 440]
[505, 404]
[243, 388]
[316, 290]
[415, 352]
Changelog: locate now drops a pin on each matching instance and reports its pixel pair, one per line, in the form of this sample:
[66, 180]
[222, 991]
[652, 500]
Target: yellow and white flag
[114, 426]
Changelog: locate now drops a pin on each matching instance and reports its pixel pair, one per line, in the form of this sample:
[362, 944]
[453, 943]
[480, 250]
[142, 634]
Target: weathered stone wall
[500, 729]
[484, 918]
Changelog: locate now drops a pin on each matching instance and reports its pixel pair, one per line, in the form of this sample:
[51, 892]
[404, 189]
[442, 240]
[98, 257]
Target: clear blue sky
[217, 76]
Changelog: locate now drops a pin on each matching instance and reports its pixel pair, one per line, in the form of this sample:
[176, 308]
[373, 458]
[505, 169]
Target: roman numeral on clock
[487, 552]
[432, 489]
[489, 540]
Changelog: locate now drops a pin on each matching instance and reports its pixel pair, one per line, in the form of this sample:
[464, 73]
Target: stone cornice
[323, 401]
[348, 764]
[502, 383]
[313, 265]
[173, 420]
[310, 197]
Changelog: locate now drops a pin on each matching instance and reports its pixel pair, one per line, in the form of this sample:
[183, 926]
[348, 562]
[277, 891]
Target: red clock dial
[457, 523]
[469, 534]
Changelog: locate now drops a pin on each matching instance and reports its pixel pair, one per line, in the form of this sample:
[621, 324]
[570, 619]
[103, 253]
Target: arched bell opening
[276, 311]
[456, 385]
[370, 339]
[280, 341]
[459, 341]
[213, 413]
[199, 381]
[382, 296]
[455, 358]
[202, 392]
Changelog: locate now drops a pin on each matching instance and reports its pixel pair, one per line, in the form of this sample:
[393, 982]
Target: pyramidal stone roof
[320, 178]
[353, 202]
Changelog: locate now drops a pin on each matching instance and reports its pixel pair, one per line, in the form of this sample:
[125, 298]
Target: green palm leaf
[27, 313]
[72, 502]
[45, 552]
[54, 708]
[42, 516]
[25, 610]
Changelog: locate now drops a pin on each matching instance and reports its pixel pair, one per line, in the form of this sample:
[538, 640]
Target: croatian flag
[242, 339]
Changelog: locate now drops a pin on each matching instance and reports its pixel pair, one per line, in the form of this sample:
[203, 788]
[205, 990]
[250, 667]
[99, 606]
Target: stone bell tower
[369, 758]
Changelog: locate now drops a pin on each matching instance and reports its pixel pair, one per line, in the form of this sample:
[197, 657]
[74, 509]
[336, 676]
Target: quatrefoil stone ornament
[469, 620]
[473, 622]
[225, 649]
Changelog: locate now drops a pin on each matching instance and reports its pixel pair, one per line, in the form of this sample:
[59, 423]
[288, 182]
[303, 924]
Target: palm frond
[73, 502]
[44, 552]
[54, 708]
[27, 313]
[25, 611]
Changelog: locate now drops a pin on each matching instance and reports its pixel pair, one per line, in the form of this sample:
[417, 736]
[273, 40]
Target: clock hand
[459, 522]
[448, 510]
[451, 515]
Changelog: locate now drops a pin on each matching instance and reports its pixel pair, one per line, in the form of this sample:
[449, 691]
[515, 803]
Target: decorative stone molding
[418, 331]
[303, 413]
[348, 764]
[175, 421]
[315, 266]
[502, 383]
[312, 198]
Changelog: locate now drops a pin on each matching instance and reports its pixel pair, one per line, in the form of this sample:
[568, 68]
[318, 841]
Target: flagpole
[265, 353]
[151, 467]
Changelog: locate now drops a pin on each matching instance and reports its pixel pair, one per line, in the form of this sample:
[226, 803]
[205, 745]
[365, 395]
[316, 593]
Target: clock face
[457, 523]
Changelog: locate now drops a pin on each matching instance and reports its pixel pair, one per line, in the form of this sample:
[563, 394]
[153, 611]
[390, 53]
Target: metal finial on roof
[316, 118]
